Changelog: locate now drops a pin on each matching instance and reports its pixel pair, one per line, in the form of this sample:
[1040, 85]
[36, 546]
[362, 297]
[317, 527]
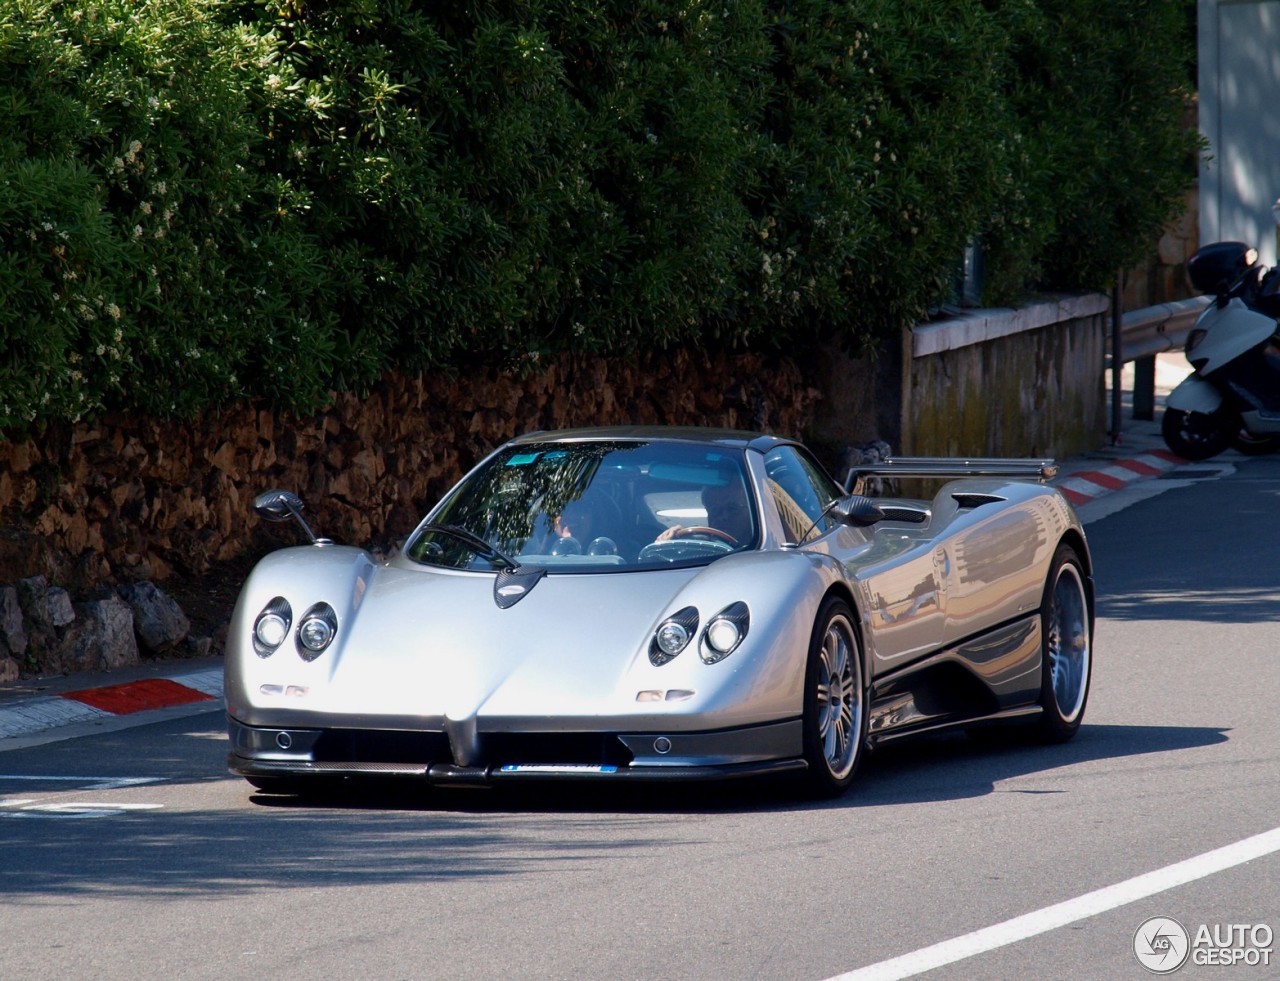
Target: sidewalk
[1138, 453]
[33, 711]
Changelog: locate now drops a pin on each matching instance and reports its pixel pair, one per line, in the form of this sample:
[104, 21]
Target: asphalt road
[132, 854]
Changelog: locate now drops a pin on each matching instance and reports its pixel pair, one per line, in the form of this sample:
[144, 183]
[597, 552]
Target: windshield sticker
[522, 459]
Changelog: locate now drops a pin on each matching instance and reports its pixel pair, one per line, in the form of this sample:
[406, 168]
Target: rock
[9, 670]
[43, 605]
[13, 637]
[117, 627]
[101, 638]
[158, 620]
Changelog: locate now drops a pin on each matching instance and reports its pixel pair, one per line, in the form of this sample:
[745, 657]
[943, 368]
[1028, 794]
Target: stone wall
[127, 500]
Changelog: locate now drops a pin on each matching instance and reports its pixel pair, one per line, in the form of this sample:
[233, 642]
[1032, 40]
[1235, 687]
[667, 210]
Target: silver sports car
[662, 604]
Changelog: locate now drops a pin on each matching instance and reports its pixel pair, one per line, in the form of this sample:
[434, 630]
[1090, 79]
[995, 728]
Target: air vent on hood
[976, 500]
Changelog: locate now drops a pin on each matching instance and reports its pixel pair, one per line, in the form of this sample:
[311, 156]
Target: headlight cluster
[723, 634]
[316, 629]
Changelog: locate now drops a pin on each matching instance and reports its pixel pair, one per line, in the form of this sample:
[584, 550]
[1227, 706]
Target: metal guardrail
[1139, 336]
[1153, 330]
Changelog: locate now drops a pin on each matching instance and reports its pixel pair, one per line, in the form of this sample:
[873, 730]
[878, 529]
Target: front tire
[1251, 445]
[1196, 435]
[1066, 647]
[835, 701]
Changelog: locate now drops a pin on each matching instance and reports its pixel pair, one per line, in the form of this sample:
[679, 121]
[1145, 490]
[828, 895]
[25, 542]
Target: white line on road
[92, 783]
[1061, 914]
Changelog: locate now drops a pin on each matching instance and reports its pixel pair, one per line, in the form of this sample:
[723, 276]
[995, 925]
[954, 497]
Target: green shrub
[137, 270]
[1096, 97]
[203, 201]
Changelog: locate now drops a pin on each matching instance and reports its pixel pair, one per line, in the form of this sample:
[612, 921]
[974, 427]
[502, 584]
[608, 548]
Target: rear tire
[1195, 435]
[1066, 647]
[835, 701]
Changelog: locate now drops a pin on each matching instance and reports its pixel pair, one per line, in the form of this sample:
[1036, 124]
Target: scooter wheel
[1196, 435]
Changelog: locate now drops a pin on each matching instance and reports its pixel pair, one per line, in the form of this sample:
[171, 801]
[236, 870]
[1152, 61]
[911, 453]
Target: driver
[727, 510]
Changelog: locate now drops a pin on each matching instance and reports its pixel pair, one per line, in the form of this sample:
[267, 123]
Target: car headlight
[725, 632]
[316, 631]
[272, 627]
[672, 635]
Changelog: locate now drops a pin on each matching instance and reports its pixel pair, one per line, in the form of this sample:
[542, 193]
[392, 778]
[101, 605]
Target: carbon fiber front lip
[450, 774]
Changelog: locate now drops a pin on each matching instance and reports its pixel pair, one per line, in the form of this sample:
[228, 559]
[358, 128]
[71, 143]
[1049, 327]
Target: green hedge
[202, 201]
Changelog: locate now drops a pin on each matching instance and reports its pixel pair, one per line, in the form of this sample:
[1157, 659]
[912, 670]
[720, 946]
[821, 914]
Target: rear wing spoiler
[950, 468]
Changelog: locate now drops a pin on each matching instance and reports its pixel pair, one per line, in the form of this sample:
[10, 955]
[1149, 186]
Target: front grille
[381, 746]
[496, 748]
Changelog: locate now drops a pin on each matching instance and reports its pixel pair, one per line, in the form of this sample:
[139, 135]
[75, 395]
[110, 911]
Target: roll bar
[950, 468]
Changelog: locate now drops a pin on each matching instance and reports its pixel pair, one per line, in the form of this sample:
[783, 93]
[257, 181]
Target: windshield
[595, 506]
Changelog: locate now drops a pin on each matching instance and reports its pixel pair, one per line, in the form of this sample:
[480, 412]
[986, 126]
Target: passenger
[577, 529]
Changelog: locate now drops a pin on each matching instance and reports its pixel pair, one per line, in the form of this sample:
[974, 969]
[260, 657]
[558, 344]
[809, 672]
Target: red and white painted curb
[1083, 486]
[28, 717]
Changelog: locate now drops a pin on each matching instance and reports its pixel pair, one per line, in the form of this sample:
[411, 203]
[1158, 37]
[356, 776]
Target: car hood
[421, 643]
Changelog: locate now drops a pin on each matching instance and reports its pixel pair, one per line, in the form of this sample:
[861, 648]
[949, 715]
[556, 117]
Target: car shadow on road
[953, 766]
[947, 766]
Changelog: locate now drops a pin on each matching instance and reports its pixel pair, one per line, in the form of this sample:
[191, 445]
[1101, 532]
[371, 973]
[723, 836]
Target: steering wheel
[678, 550]
[705, 531]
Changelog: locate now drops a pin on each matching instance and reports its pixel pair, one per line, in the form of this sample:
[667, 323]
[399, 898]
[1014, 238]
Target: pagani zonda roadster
[662, 604]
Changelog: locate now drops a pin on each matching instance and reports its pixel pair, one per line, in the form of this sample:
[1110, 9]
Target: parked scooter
[1232, 398]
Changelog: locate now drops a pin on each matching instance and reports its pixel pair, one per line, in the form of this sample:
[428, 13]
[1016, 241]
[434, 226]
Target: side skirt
[992, 676]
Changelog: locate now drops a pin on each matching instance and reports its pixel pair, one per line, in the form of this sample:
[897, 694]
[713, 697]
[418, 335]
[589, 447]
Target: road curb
[1082, 486]
[29, 717]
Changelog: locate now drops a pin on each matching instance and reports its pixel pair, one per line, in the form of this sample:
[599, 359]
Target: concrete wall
[1013, 382]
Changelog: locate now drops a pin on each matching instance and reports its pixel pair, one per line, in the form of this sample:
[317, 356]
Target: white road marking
[1061, 914]
[91, 783]
[81, 810]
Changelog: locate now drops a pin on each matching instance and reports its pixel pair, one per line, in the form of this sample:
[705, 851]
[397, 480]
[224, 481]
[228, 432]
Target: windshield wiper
[476, 544]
